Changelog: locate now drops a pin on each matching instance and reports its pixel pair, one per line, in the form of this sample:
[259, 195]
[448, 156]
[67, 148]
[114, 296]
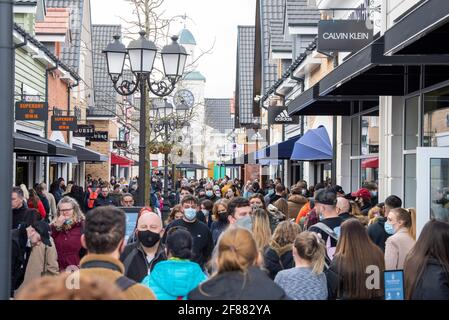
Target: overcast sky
[210, 20]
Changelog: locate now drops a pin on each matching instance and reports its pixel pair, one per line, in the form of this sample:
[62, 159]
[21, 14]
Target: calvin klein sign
[344, 35]
[279, 115]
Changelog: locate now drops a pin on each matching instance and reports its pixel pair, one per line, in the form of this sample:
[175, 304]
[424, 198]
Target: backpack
[93, 195]
[334, 234]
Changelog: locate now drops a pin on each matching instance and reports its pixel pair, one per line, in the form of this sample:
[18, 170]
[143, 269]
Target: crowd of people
[223, 239]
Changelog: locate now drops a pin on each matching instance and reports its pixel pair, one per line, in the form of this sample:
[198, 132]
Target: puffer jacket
[295, 204]
[277, 259]
[173, 279]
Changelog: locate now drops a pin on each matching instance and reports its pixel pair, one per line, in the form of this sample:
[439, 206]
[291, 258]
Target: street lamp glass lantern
[167, 109]
[174, 57]
[115, 57]
[142, 53]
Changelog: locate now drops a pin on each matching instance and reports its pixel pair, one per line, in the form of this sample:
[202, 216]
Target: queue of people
[226, 240]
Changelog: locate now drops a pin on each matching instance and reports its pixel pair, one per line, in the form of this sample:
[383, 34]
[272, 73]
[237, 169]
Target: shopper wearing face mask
[210, 195]
[400, 225]
[139, 258]
[206, 210]
[201, 235]
[220, 217]
[217, 192]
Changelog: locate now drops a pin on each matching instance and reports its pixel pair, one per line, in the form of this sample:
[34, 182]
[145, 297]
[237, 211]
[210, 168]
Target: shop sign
[279, 115]
[63, 123]
[84, 130]
[119, 144]
[31, 111]
[373, 148]
[99, 136]
[344, 35]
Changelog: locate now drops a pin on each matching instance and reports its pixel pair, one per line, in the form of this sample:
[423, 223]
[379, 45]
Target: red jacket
[68, 245]
[40, 208]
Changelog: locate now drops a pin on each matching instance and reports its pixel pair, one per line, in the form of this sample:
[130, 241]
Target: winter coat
[235, 285]
[295, 204]
[52, 203]
[35, 266]
[135, 261]
[40, 208]
[18, 216]
[216, 229]
[397, 248]
[173, 279]
[278, 259]
[376, 232]
[433, 284]
[275, 216]
[111, 270]
[303, 212]
[104, 201]
[45, 203]
[19, 257]
[68, 245]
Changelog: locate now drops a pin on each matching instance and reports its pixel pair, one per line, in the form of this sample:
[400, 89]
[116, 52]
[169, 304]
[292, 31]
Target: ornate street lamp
[141, 54]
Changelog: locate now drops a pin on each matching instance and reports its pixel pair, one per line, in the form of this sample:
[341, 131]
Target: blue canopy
[282, 150]
[314, 145]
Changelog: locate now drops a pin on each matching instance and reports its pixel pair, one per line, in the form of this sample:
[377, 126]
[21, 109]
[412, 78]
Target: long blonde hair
[312, 249]
[408, 217]
[78, 216]
[284, 235]
[261, 229]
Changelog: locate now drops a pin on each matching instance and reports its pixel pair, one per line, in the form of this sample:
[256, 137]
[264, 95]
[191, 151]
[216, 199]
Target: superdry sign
[63, 123]
[31, 111]
[344, 35]
[279, 115]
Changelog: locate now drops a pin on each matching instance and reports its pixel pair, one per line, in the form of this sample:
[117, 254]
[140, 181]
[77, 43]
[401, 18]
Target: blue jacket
[174, 278]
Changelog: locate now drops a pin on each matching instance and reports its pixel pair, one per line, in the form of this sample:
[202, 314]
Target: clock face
[184, 99]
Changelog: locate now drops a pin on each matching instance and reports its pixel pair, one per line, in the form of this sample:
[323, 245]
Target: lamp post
[141, 54]
[164, 118]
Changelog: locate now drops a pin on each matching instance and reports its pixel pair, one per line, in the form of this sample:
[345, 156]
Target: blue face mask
[373, 193]
[388, 228]
[209, 193]
[321, 217]
[190, 214]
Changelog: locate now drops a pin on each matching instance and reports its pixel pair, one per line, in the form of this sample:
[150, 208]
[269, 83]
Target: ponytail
[408, 217]
[412, 228]
[311, 248]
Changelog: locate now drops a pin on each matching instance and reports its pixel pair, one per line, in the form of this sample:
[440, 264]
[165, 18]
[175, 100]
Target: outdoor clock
[184, 99]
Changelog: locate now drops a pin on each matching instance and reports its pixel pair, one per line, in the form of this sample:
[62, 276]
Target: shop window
[410, 180]
[435, 120]
[439, 188]
[435, 74]
[411, 123]
[413, 78]
[355, 136]
[369, 139]
[354, 174]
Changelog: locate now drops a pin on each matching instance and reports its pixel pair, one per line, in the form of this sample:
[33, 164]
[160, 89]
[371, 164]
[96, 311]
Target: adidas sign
[283, 117]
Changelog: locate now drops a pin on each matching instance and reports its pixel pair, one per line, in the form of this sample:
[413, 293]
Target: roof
[71, 54]
[270, 10]
[218, 114]
[38, 44]
[57, 21]
[25, 2]
[105, 94]
[186, 37]
[245, 71]
[277, 42]
[195, 76]
[300, 13]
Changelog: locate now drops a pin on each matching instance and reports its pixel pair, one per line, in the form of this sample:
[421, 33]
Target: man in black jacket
[104, 199]
[139, 258]
[376, 231]
[201, 235]
[19, 210]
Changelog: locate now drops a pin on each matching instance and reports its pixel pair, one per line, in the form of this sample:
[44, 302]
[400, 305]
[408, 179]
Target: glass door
[432, 191]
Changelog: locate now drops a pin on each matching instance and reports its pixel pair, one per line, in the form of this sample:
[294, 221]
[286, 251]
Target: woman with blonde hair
[220, 217]
[278, 256]
[66, 230]
[261, 229]
[238, 275]
[306, 281]
[400, 225]
[175, 214]
[26, 194]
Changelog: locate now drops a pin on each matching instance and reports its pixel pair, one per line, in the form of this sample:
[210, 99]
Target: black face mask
[147, 238]
[223, 216]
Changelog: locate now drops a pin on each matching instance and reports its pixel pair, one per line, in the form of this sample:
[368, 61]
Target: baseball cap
[338, 189]
[327, 197]
[43, 229]
[362, 193]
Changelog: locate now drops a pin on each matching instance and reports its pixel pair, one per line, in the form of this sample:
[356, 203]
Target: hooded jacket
[235, 285]
[376, 232]
[278, 258]
[295, 204]
[173, 279]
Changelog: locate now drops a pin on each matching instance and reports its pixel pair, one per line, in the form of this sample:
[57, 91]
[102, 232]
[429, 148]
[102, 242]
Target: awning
[311, 103]
[121, 160]
[370, 163]
[192, 166]
[282, 150]
[87, 155]
[63, 159]
[53, 148]
[24, 145]
[314, 145]
[424, 30]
